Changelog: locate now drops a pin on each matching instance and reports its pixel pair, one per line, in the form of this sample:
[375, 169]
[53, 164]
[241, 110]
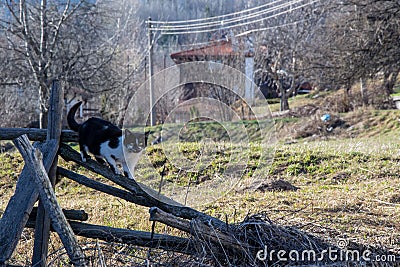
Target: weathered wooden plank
[21, 203]
[35, 134]
[77, 215]
[111, 190]
[131, 237]
[54, 123]
[69, 154]
[33, 160]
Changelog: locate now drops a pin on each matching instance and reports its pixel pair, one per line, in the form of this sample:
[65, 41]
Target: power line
[216, 17]
[228, 21]
[188, 31]
[218, 22]
[272, 27]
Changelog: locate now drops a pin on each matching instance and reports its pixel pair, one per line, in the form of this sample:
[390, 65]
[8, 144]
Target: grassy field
[348, 185]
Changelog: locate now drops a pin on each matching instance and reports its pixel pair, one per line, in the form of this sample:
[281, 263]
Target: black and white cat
[106, 141]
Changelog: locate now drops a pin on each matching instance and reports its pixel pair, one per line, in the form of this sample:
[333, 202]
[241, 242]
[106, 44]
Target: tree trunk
[43, 119]
[44, 94]
[284, 99]
[364, 94]
[390, 80]
[346, 99]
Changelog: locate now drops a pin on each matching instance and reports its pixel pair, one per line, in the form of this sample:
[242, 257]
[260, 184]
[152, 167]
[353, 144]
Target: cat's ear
[127, 132]
[146, 137]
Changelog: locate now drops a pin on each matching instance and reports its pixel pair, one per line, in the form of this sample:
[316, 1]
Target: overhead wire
[184, 31]
[188, 31]
[217, 17]
[228, 21]
[231, 20]
[270, 28]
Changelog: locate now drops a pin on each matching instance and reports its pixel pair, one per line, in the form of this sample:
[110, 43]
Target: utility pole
[151, 89]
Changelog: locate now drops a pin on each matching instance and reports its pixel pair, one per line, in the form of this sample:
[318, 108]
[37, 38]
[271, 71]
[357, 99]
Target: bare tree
[72, 41]
[358, 40]
[283, 48]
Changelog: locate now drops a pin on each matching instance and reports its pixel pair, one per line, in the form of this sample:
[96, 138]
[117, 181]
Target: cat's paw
[128, 175]
[84, 157]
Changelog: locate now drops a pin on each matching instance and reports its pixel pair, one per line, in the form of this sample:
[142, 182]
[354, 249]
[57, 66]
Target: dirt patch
[271, 185]
[304, 111]
[395, 199]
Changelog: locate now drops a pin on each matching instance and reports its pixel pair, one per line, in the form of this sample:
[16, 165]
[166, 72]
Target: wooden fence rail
[134, 193]
[77, 215]
[130, 237]
[35, 134]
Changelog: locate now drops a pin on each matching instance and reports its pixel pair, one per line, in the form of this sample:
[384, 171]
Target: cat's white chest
[116, 153]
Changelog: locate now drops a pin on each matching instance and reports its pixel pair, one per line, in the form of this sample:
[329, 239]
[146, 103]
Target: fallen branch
[156, 214]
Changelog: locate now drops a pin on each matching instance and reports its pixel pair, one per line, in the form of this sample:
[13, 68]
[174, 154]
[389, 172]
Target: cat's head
[134, 142]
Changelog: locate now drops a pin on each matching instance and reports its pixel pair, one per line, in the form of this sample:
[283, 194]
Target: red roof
[216, 49]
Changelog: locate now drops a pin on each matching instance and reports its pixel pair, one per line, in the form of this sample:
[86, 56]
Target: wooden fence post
[33, 159]
[20, 205]
[42, 228]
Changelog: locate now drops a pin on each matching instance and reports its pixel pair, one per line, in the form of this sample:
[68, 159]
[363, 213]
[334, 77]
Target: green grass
[395, 94]
[224, 131]
[396, 90]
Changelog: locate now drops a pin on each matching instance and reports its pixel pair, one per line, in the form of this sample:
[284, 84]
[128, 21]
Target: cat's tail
[71, 117]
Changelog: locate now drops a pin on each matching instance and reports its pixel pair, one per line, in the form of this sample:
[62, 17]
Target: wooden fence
[40, 170]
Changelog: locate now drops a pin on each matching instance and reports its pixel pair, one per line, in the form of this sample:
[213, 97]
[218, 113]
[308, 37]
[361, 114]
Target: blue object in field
[326, 117]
